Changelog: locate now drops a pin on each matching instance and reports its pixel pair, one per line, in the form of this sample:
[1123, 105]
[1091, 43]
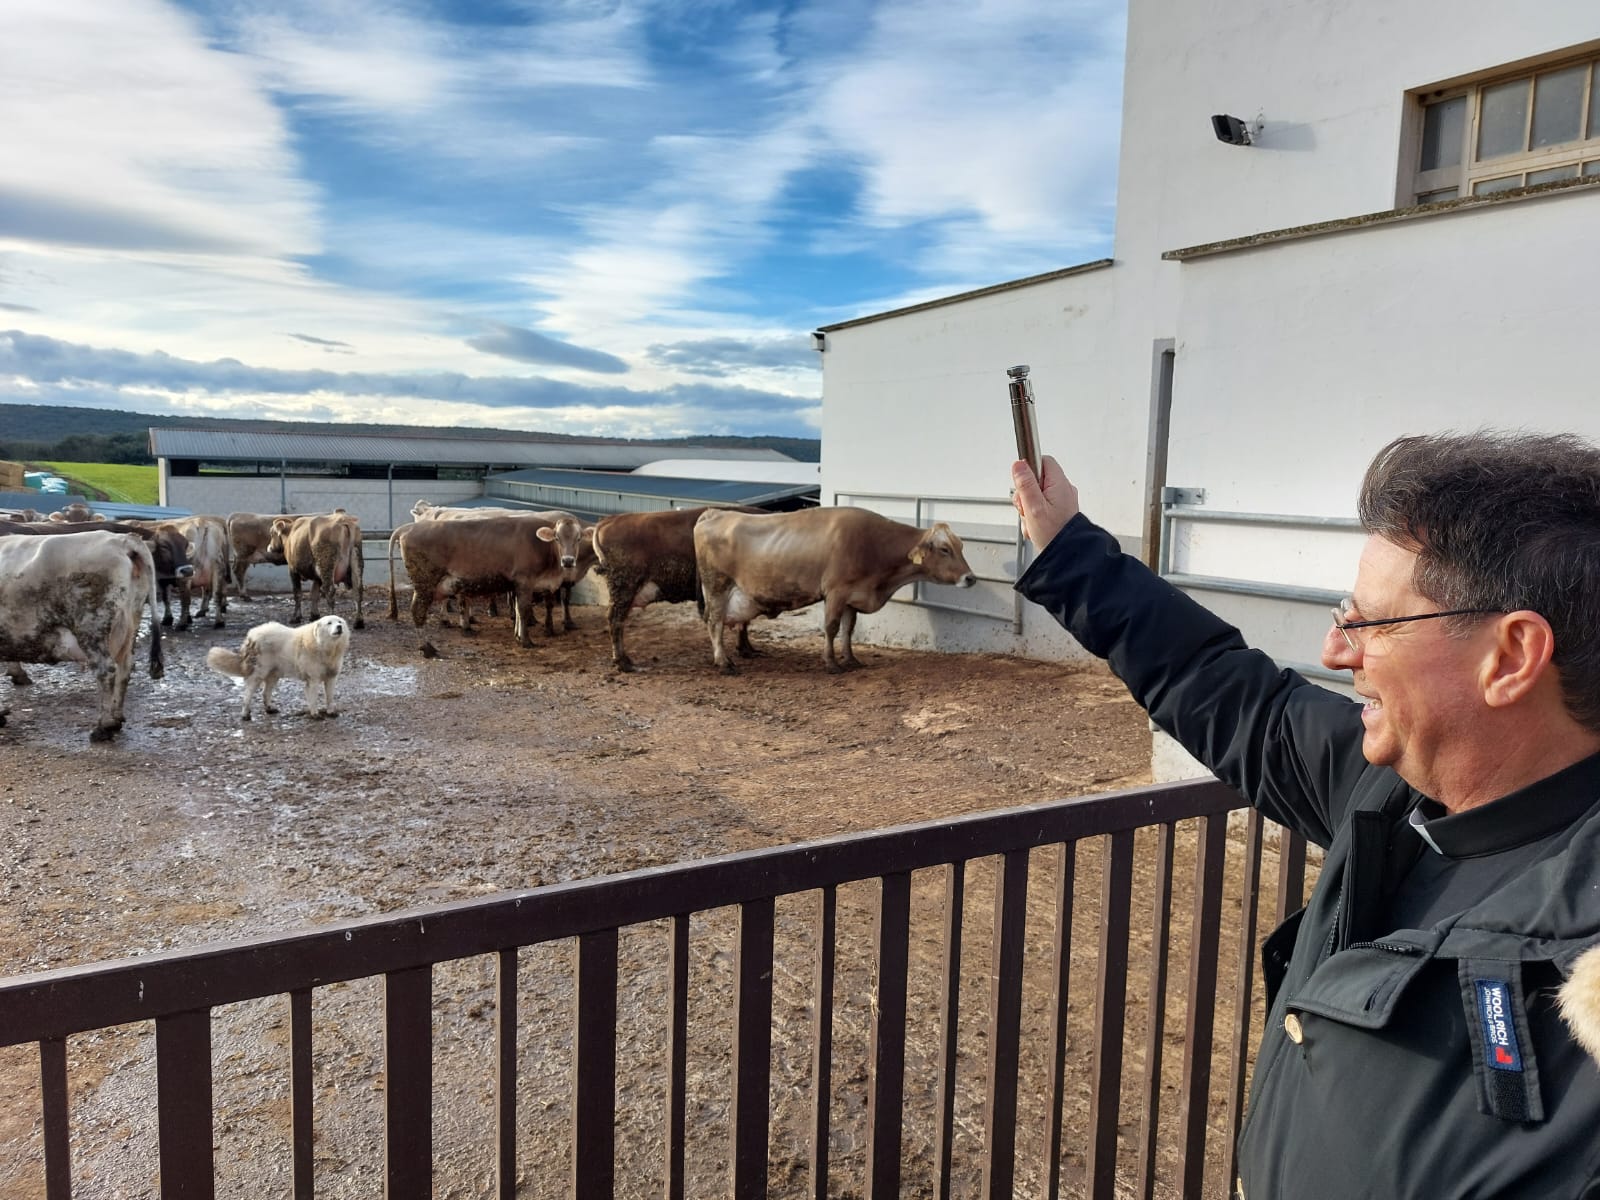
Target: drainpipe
[283, 486]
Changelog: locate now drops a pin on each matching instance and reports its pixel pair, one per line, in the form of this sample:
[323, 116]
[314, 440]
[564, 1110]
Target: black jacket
[1397, 1062]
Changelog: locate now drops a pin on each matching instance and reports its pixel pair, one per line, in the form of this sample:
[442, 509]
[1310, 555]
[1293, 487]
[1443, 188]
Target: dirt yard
[497, 768]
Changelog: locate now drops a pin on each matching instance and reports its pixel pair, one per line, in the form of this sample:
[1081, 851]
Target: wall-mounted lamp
[1231, 130]
[819, 340]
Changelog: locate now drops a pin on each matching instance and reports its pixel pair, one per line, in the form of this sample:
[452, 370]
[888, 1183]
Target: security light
[1230, 129]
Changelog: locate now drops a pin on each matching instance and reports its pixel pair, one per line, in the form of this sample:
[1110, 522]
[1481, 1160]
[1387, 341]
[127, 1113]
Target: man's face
[1420, 685]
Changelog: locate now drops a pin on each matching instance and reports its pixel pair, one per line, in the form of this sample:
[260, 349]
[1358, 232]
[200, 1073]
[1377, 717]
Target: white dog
[311, 653]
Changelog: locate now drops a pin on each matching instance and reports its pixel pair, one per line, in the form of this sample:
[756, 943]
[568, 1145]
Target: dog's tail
[226, 662]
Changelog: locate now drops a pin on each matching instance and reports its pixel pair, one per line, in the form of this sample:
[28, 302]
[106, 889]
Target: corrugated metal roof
[646, 487]
[208, 445]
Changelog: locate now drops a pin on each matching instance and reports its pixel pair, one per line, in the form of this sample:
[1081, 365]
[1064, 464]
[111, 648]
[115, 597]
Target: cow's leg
[567, 622]
[525, 617]
[294, 586]
[847, 629]
[239, 589]
[621, 605]
[716, 595]
[219, 596]
[745, 649]
[166, 604]
[106, 726]
[186, 595]
[421, 602]
[358, 571]
[19, 677]
[832, 618]
[120, 687]
[549, 614]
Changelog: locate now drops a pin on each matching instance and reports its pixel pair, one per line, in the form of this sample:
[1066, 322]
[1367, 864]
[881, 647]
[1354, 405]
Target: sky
[615, 218]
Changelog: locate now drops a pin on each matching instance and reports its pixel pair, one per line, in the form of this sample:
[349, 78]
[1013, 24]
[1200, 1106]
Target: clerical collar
[1524, 816]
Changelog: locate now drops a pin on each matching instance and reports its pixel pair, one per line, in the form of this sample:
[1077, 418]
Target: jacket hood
[1580, 1002]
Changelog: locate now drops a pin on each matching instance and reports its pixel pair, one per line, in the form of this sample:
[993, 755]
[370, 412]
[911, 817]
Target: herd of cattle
[74, 587]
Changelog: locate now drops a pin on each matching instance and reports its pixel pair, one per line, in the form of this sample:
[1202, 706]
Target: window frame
[1582, 153]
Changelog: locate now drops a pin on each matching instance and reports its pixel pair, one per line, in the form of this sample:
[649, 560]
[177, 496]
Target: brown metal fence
[1130, 1140]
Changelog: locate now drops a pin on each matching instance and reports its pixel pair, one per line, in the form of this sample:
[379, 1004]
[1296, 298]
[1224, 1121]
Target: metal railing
[180, 990]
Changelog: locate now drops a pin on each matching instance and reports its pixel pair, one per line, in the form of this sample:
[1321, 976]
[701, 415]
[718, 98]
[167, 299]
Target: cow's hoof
[244, 717]
[317, 716]
[834, 668]
[158, 671]
[269, 710]
[328, 712]
[625, 665]
[102, 734]
[166, 622]
[569, 626]
[22, 679]
[729, 669]
[361, 623]
[218, 624]
[468, 631]
[429, 650]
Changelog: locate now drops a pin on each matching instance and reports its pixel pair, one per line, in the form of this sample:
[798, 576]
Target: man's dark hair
[1502, 521]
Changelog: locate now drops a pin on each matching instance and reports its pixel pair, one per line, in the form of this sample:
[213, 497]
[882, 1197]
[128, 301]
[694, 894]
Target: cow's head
[170, 549]
[569, 538]
[938, 553]
[280, 531]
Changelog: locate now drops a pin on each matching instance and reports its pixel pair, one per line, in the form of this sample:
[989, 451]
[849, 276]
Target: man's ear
[1523, 647]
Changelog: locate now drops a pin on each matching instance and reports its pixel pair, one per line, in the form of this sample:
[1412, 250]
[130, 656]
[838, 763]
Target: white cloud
[121, 119]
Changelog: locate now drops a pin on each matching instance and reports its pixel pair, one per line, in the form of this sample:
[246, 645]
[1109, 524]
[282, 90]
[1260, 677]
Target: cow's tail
[145, 563]
[599, 553]
[394, 538]
[226, 662]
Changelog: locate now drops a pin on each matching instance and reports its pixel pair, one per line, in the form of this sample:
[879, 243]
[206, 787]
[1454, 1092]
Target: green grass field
[110, 481]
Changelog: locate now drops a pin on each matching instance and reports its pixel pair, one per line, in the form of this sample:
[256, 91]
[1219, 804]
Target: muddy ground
[493, 768]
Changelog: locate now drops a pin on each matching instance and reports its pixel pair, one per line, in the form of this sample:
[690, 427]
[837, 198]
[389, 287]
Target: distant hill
[35, 431]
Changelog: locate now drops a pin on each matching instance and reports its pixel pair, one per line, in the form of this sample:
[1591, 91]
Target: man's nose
[1336, 652]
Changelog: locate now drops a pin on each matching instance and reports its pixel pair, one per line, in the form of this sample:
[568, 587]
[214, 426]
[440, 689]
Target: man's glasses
[1344, 627]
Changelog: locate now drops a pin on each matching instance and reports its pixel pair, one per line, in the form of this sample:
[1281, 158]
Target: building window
[1507, 131]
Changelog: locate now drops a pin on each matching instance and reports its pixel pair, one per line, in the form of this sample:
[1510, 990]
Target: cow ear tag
[917, 556]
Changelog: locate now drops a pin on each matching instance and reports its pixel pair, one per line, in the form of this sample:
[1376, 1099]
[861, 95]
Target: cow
[851, 559]
[484, 557]
[76, 513]
[169, 549]
[573, 539]
[249, 535]
[199, 545]
[80, 599]
[325, 550]
[208, 553]
[649, 556]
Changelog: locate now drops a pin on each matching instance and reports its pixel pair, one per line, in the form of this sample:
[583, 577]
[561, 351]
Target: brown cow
[479, 558]
[208, 551]
[851, 559]
[80, 599]
[249, 535]
[649, 556]
[326, 550]
[76, 513]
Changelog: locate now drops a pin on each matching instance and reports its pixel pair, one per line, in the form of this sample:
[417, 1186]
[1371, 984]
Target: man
[1430, 1007]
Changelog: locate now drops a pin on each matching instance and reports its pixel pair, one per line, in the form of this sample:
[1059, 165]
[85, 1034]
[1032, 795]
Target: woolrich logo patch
[1499, 1026]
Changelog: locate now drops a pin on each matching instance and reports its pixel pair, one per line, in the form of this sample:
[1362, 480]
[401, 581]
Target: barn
[1333, 227]
[377, 478]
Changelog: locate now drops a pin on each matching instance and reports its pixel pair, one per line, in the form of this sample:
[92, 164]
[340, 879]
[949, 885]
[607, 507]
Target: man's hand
[1046, 504]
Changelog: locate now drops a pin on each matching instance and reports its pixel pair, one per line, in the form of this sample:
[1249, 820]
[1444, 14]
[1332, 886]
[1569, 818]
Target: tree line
[129, 448]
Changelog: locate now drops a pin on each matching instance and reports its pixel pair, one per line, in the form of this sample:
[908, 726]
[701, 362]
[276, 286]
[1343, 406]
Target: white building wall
[917, 406]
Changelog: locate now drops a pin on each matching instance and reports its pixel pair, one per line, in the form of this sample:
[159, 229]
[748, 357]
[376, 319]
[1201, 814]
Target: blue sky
[576, 216]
